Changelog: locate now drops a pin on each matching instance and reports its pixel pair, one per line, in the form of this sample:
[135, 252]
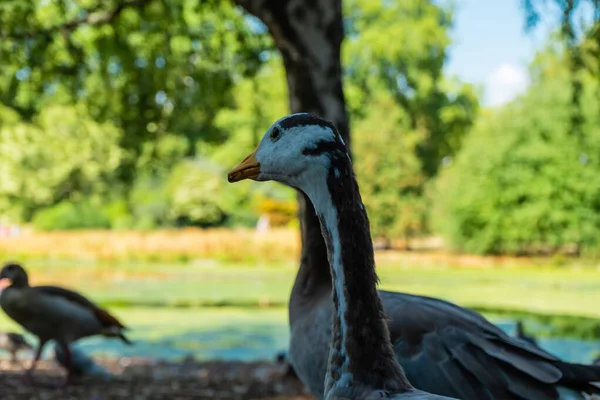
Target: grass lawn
[548, 290]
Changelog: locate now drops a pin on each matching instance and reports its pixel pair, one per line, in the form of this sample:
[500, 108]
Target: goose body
[54, 313]
[449, 350]
[443, 348]
[306, 152]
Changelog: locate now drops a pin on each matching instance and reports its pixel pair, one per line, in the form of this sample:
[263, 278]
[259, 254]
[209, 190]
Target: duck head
[295, 150]
[13, 274]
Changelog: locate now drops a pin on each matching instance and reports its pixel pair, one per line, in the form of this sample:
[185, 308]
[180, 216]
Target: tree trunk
[309, 34]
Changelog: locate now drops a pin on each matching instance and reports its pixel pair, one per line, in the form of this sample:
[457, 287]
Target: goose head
[295, 150]
[13, 274]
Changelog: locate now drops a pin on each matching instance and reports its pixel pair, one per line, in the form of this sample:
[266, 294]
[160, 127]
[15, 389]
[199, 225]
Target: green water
[253, 333]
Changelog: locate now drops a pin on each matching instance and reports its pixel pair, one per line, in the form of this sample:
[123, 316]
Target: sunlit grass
[240, 246]
[176, 245]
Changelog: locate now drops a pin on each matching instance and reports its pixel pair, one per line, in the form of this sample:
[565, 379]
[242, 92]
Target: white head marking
[281, 152]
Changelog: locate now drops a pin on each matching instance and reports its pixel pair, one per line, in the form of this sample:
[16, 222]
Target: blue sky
[491, 47]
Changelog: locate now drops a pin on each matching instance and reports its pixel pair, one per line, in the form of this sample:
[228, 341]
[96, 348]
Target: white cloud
[504, 84]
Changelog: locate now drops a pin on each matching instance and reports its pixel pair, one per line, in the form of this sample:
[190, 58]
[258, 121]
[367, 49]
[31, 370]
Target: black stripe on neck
[368, 346]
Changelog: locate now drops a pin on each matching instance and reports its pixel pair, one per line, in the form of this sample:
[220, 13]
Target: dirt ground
[151, 380]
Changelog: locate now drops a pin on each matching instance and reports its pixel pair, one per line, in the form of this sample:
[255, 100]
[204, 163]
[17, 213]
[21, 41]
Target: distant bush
[68, 216]
[149, 201]
[195, 190]
[523, 182]
[280, 212]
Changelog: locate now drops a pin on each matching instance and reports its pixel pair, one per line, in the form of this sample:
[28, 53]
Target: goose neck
[361, 350]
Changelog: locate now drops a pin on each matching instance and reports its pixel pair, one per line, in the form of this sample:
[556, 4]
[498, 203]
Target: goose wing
[454, 351]
[104, 317]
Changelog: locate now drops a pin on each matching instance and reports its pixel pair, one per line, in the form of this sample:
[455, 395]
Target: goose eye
[275, 133]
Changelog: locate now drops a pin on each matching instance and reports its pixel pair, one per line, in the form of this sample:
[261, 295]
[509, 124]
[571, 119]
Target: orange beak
[4, 283]
[249, 168]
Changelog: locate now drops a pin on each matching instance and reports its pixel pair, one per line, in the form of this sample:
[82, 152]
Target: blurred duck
[13, 343]
[53, 313]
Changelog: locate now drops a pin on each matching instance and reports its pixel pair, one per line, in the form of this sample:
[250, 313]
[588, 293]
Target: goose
[13, 343]
[361, 363]
[53, 313]
[443, 348]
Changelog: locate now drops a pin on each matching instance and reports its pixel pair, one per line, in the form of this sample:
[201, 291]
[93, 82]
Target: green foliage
[149, 202]
[62, 155]
[406, 117]
[388, 170]
[67, 216]
[524, 182]
[151, 67]
[399, 47]
[257, 103]
[196, 189]
[162, 98]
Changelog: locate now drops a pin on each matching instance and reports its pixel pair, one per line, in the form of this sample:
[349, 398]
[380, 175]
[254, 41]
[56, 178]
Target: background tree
[407, 116]
[152, 68]
[581, 41]
[61, 155]
[521, 184]
[191, 86]
[389, 171]
[404, 52]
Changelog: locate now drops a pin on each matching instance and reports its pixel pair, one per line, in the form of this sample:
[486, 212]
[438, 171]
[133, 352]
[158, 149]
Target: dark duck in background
[53, 313]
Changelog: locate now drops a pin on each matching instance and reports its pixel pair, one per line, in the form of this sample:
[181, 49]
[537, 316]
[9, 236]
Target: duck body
[444, 349]
[48, 312]
[54, 313]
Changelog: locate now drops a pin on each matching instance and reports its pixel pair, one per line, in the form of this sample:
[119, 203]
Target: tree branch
[92, 16]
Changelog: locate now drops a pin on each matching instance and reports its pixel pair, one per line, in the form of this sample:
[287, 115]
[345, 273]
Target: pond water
[250, 334]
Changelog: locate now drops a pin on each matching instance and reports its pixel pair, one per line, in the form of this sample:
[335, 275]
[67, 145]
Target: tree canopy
[178, 90]
[523, 183]
[151, 68]
[127, 114]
